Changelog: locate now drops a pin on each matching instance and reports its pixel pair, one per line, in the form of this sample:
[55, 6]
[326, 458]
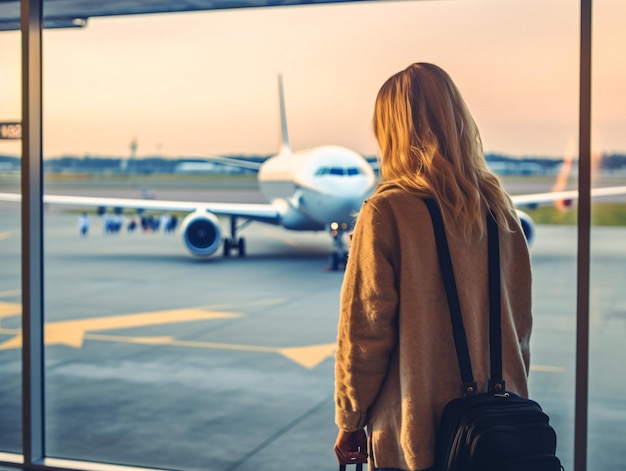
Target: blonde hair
[430, 145]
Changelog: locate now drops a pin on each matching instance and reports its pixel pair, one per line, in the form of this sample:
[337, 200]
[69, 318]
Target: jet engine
[201, 233]
[528, 226]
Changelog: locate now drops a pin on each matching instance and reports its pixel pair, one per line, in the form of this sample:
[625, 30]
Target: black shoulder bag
[496, 430]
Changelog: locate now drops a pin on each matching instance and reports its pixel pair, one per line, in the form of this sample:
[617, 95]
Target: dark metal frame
[34, 455]
[584, 233]
[32, 236]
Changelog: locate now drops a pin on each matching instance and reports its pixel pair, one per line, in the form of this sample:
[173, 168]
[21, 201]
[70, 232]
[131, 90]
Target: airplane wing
[259, 212]
[531, 201]
[267, 211]
[550, 197]
[233, 162]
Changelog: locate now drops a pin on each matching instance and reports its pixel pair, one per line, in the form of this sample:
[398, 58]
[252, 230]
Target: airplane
[531, 201]
[311, 190]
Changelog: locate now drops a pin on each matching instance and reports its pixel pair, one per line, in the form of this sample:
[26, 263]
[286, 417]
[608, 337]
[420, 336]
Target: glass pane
[156, 358]
[153, 357]
[10, 245]
[607, 391]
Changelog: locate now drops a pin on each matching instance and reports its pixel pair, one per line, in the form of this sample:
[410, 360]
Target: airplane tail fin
[283, 116]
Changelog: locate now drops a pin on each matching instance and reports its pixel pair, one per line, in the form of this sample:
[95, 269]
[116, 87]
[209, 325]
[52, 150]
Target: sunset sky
[206, 83]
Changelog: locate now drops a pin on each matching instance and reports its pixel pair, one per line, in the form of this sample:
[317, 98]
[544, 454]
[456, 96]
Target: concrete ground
[157, 359]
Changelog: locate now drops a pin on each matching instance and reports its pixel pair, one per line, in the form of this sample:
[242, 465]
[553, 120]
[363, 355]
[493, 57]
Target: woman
[396, 366]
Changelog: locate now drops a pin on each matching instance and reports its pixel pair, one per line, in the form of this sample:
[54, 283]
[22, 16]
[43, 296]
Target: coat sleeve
[367, 330]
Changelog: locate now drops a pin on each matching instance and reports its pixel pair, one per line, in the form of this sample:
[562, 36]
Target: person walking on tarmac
[83, 224]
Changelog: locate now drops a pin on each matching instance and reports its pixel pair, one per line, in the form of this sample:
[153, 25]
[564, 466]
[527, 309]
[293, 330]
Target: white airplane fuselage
[316, 188]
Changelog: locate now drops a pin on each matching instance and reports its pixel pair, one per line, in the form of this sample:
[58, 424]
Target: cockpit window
[340, 171]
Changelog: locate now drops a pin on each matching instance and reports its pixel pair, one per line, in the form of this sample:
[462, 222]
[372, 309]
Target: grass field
[602, 214]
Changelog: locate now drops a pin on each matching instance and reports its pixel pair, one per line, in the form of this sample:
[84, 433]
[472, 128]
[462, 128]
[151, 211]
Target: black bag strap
[496, 381]
[468, 385]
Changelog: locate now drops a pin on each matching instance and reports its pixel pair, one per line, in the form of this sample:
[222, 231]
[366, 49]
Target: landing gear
[237, 244]
[234, 243]
[339, 258]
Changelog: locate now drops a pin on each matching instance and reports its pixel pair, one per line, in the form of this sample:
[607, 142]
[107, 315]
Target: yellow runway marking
[10, 309]
[179, 343]
[308, 356]
[72, 333]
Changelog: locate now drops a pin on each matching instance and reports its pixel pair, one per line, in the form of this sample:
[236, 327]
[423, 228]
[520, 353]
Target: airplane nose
[339, 203]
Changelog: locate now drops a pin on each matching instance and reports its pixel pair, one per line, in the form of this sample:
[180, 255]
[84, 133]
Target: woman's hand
[351, 447]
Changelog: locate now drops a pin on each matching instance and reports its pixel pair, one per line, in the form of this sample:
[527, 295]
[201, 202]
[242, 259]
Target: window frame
[33, 372]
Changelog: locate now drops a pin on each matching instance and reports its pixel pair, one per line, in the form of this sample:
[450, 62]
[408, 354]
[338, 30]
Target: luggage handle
[359, 467]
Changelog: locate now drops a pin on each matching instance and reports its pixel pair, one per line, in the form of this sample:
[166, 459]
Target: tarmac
[156, 359]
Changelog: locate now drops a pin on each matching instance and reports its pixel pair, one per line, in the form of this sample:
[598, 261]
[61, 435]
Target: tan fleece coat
[396, 366]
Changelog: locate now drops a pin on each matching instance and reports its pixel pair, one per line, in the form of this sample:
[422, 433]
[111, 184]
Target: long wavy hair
[431, 146]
